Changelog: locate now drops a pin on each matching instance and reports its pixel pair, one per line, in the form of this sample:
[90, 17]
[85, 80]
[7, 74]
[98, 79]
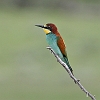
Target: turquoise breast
[52, 42]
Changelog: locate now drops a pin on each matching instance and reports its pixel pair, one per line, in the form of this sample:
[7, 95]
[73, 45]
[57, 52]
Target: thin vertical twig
[71, 75]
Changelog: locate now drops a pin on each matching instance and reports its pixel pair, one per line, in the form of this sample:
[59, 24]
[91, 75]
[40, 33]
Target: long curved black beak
[42, 26]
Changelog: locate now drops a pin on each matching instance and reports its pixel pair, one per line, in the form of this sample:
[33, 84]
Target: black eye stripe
[49, 28]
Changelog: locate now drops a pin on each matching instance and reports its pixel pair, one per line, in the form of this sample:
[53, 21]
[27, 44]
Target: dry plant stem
[70, 74]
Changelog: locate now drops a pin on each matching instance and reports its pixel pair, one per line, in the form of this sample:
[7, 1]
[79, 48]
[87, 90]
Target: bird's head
[48, 28]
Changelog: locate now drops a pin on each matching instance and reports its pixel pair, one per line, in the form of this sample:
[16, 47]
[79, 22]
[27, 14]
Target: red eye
[49, 28]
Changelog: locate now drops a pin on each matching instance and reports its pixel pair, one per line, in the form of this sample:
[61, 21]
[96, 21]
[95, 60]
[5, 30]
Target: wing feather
[61, 46]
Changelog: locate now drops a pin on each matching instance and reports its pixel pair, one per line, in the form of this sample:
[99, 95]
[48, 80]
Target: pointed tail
[67, 62]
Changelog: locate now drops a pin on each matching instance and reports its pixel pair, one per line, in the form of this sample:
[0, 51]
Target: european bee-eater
[56, 42]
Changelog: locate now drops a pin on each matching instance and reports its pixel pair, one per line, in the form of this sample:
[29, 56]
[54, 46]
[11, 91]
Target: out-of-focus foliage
[46, 3]
[89, 6]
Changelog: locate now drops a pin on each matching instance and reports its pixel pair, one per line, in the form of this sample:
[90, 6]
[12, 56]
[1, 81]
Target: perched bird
[56, 42]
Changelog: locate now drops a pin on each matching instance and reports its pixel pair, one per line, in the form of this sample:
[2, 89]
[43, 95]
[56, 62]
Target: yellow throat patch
[46, 30]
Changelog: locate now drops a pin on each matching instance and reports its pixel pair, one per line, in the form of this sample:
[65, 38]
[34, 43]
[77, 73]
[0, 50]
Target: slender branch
[71, 75]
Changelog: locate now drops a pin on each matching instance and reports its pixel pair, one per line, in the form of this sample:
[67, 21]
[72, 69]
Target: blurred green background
[28, 71]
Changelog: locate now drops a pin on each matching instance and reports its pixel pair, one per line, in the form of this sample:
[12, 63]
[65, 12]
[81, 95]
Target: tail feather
[67, 62]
